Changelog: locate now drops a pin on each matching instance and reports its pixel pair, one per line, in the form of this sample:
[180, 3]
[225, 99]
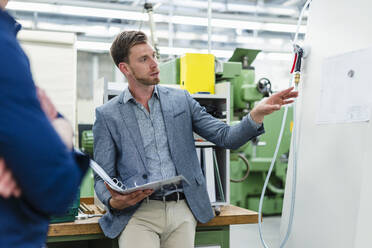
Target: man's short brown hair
[123, 43]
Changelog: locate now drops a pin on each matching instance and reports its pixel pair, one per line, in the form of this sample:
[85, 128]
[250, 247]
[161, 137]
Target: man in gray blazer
[146, 134]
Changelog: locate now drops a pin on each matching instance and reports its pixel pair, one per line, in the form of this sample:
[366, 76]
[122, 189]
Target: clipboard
[120, 188]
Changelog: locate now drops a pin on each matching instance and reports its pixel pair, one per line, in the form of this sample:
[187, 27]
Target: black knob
[144, 176]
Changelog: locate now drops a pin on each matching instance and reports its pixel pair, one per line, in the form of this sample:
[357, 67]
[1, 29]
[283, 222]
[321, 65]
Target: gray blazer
[119, 150]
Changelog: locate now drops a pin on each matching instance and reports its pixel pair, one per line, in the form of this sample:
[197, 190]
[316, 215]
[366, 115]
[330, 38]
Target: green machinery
[249, 164]
[87, 188]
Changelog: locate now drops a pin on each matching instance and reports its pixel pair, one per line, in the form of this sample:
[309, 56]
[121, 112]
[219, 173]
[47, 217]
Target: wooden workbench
[215, 232]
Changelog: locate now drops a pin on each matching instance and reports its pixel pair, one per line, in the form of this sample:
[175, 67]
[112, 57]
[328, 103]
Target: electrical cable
[294, 147]
[268, 177]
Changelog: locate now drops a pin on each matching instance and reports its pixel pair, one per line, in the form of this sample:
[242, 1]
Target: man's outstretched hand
[272, 103]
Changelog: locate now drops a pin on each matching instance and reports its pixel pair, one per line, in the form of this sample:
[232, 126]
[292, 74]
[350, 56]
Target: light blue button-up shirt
[154, 137]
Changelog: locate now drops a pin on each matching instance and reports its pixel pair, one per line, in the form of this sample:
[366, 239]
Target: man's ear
[124, 68]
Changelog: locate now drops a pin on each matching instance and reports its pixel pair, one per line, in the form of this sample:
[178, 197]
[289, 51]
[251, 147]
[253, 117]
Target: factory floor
[247, 236]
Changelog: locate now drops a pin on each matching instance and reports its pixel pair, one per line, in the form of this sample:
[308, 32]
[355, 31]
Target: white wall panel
[53, 64]
[333, 199]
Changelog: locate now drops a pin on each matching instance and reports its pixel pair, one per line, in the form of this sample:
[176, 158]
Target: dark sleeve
[46, 171]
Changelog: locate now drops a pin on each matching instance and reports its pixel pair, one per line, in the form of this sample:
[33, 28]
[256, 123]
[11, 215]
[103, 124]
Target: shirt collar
[129, 97]
[13, 25]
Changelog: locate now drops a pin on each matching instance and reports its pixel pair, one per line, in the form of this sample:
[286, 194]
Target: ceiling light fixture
[138, 16]
[233, 7]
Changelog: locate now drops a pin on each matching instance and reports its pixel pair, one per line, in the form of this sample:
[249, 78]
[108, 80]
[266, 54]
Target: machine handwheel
[245, 160]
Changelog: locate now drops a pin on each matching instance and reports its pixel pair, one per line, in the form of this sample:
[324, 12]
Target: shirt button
[144, 176]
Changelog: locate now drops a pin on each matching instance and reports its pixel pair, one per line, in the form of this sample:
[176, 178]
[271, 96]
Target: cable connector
[300, 53]
[297, 78]
[306, 51]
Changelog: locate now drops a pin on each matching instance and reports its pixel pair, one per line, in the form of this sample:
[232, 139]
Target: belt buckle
[171, 197]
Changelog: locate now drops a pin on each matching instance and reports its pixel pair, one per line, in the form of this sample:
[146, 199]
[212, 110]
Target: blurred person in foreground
[39, 172]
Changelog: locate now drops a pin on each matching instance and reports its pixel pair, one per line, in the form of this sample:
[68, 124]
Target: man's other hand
[64, 129]
[272, 103]
[120, 201]
[46, 104]
[62, 126]
[8, 186]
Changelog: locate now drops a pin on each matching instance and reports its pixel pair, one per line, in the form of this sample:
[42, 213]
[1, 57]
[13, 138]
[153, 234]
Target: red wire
[294, 63]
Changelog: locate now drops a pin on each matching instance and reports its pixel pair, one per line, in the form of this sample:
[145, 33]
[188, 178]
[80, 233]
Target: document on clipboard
[120, 188]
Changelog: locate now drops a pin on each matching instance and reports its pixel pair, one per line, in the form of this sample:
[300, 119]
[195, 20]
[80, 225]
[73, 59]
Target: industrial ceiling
[180, 25]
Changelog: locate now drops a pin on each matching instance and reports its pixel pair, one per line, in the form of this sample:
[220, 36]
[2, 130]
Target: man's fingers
[112, 192]
[46, 104]
[128, 199]
[6, 178]
[148, 191]
[2, 167]
[292, 94]
[271, 108]
[40, 93]
[6, 185]
[52, 112]
[109, 188]
[64, 130]
[11, 185]
[284, 92]
[138, 198]
[135, 194]
[17, 192]
[288, 102]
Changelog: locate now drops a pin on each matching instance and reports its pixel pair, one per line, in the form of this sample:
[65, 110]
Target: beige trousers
[160, 224]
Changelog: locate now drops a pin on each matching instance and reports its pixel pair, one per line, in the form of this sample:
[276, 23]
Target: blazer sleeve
[46, 171]
[104, 155]
[218, 132]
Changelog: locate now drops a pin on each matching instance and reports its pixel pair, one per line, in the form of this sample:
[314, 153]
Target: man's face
[3, 3]
[143, 65]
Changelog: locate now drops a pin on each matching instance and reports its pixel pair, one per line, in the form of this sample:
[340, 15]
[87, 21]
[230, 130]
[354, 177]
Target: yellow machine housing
[197, 73]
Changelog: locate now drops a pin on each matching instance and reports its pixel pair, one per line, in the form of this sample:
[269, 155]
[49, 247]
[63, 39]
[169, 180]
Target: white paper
[346, 88]
[209, 173]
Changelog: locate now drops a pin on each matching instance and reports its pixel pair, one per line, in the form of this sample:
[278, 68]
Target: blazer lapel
[166, 103]
[130, 121]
